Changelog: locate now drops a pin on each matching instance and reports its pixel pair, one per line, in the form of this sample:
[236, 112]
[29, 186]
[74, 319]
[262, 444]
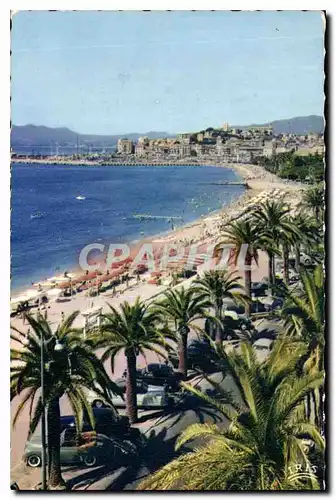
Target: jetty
[154, 217]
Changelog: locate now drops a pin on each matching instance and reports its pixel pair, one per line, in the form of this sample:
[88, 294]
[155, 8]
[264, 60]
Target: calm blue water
[42, 246]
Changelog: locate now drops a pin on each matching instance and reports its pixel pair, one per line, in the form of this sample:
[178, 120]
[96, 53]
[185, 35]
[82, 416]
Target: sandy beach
[203, 231]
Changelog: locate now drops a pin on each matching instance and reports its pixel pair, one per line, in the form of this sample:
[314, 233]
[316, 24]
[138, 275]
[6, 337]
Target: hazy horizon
[156, 131]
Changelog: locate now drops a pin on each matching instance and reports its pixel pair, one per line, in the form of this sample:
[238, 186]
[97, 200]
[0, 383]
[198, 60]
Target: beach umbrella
[85, 277]
[53, 279]
[19, 299]
[33, 294]
[54, 293]
[155, 274]
[61, 279]
[42, 284]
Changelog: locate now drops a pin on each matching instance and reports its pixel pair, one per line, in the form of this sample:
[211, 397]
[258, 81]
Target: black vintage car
[158, 374]
[201, 356]
[107, 421]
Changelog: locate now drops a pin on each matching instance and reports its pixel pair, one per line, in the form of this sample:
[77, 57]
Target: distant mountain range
[36, 135]
[299, 125]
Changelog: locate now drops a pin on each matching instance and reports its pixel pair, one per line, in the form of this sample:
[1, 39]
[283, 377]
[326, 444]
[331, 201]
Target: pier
[154, 217]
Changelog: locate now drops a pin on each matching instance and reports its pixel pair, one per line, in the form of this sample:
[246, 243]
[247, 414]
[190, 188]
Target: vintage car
[87, 448]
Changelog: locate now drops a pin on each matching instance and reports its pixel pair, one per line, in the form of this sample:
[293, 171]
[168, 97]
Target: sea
[57, 210]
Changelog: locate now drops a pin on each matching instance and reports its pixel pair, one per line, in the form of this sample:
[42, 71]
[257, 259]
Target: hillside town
[226, 144]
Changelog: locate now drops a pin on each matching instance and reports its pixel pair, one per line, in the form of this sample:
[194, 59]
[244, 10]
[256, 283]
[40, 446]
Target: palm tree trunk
[321, 410]
[297, 258]
[285, 252]
[273, 269]
[308, 407]
[270, 272]
[316, 406]
[182, 351]
[248, 280]
[54, 433]
[131, 402]
[219, 336]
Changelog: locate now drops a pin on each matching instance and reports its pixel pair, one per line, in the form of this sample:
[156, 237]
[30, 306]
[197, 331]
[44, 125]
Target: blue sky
[119, 72]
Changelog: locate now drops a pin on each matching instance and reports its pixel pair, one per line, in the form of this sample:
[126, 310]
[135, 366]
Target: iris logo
[299, 471]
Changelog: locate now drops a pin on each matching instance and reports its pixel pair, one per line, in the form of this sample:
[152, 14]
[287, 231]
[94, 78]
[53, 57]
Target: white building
[124, 146]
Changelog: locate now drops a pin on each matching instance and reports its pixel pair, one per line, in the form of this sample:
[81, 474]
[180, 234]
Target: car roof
[70, 419]
[156, 388]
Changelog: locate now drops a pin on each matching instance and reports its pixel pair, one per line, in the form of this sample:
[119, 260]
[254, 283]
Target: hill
[299, 125]
[38, 135]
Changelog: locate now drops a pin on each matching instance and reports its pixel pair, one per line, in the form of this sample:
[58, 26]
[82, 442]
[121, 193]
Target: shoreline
[136, 163]
[201, 228]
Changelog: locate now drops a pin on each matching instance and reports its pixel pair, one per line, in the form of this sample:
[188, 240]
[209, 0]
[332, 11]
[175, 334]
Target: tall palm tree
[313, 200]
[180, 308]
[266, 438]
[69, 370]
[217, 285]
[133, 330]
[309, 234]
[304, 312]
[238, 234]
[276, 228]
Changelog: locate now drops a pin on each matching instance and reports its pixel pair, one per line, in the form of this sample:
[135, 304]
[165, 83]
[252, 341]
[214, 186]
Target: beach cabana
[92, 318]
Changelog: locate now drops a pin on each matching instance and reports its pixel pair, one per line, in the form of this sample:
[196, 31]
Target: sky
[121, 72]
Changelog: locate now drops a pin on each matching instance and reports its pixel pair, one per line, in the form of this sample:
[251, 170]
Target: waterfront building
[125, 146]
[184, 138]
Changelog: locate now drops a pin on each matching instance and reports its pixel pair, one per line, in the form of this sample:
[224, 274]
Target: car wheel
[98, 403]
[34, 461]
[90, 460]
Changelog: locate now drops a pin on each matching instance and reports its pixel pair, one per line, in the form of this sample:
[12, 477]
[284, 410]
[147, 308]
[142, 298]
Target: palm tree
[182, 307]
[267, 436]
[238, 234]
[217, 285]
[309, 234]
[70, 368]
[313, 200]
[133, 330]
[276, 228]
[304, 312]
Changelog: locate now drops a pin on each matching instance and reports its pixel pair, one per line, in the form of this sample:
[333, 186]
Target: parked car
[201, 356]
[276, 304]
[154, 398]
[159, 374]
[141, 387]
[259, 289]
[234, 321]
[107, 421]
[88, 448]
[305, 259]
